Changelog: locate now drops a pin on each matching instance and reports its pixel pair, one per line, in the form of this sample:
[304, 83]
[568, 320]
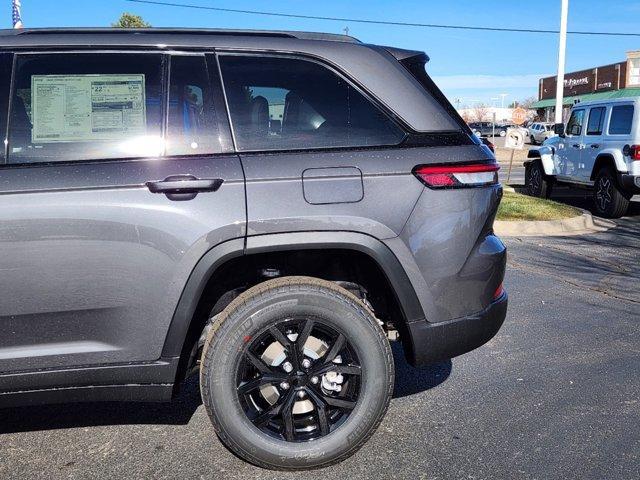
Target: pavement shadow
[410, 380]
[584, 199]
[73, 415]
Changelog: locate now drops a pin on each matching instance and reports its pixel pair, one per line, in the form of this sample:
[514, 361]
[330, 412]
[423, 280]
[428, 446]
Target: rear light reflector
[498, 293]
[458, 175]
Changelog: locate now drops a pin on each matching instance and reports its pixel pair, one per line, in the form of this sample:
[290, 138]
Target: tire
[532, 140]
[234, 363]
[609, 200]
[535, 183]
[503, 133]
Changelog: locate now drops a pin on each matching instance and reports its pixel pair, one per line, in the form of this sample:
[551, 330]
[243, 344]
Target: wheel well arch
[602, 160]
[354, 259]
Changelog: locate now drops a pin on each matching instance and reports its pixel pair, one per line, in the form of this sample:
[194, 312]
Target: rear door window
[83, 106]
[596, 121]
[621, 118]
[192, 127]
[282, 103]
[6, 64]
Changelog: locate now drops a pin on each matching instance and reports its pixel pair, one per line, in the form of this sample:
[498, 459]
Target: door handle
[184, 187]
[595, 145]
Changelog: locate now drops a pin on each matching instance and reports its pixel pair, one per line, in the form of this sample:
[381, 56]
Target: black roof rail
[180, 31]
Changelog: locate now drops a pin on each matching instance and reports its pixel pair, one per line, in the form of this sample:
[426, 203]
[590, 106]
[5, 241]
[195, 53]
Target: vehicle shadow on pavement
[410, 380]
[583, 199]
[73, 415]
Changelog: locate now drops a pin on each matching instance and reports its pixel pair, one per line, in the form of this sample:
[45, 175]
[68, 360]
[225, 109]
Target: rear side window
[621, 118]
[596, 120]
[279, 103]
[85, 106]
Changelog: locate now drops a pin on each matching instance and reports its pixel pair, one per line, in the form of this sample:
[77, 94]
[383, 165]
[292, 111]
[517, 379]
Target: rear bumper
[434, 342]
[631, 183]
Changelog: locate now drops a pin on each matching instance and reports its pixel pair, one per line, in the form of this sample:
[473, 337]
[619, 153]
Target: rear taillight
[458, 175]
[498, 293]
[634, 152]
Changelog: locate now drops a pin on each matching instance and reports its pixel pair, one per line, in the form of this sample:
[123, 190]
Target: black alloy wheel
[296, 373]
[308, 390]
[609, 200]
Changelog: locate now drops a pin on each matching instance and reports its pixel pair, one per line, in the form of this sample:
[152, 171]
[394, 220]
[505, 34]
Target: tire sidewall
[618, 203]
[257, 315]
[533, 169]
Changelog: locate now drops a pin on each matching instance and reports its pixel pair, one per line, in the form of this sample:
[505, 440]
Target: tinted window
[286, 103]
[621, 118]
[596, 120]
[574, 127]
[192, 125]
[6, 60]
[85, 106]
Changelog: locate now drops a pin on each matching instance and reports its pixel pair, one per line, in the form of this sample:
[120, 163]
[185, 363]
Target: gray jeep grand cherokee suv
[262, 208]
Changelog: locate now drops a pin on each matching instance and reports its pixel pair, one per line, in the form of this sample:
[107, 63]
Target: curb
[578, 225]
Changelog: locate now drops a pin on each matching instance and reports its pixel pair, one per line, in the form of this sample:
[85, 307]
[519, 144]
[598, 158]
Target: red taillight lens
[634, 152]
[498, 293]
[457, 175]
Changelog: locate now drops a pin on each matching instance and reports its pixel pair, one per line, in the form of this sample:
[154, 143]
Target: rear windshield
[621, 118]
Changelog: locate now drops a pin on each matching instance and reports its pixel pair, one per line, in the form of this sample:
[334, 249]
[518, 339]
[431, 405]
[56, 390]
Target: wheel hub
[299, 380]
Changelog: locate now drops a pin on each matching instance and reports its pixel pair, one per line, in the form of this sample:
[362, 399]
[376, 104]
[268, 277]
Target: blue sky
[470, 66]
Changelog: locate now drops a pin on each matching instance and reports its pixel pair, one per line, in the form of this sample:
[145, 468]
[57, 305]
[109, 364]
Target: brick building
[616, 80]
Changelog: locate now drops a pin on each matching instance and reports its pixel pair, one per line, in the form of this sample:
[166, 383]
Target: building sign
[599, 79]
[571, 83]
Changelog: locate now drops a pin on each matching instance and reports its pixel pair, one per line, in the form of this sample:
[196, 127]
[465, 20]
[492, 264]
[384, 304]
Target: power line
[380, 22]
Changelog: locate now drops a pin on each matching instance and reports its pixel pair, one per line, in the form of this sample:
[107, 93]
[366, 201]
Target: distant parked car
[482, 129]
[539, 132]
[502, 128]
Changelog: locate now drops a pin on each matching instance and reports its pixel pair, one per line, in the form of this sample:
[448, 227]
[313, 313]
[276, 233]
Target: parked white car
[539, 132]
[598, 149]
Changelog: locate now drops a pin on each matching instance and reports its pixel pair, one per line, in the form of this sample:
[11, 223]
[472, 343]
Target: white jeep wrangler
[599, 149]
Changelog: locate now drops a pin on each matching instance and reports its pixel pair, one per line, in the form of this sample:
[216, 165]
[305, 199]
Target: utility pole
[562, 48]
[346, 30]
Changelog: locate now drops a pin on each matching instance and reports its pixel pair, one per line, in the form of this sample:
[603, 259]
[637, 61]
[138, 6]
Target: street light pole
[562, 48]
[502, 95]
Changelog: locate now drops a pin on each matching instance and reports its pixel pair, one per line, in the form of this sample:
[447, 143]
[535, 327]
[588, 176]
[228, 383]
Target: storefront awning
[622, 93]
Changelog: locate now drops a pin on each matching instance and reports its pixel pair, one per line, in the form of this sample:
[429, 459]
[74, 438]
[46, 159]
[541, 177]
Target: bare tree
[480, 112]
[525, 103]
[466, 116]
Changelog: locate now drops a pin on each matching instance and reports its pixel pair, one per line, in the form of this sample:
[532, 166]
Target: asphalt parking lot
[554, 395]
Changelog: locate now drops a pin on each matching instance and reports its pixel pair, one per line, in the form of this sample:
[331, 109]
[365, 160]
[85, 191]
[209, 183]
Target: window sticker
[81, 108]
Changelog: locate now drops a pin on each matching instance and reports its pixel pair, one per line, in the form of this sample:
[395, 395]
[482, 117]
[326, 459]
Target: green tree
[130, 20]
